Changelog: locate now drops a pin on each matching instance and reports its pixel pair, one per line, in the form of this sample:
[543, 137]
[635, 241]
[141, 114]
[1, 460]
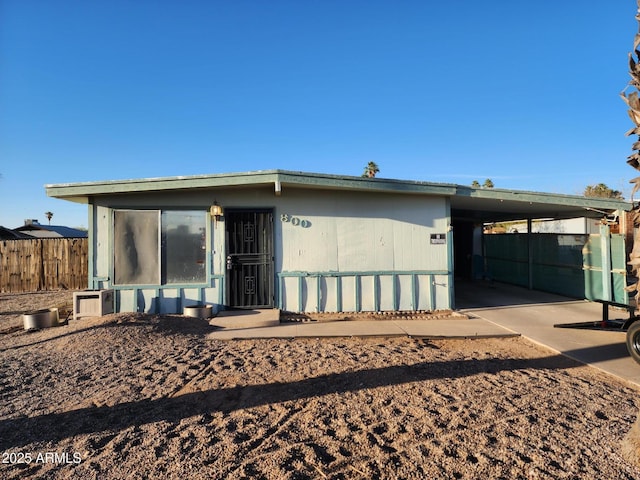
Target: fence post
[41, 282]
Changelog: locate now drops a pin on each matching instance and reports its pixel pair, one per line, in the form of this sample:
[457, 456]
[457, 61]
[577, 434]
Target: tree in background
[370, 170]
[601, 191]
[487, 184]
[49, 216]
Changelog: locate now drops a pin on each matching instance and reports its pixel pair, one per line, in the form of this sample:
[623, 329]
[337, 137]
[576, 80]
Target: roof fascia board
[335, 182]
[545, 198]
[86, 189]
[81, 191]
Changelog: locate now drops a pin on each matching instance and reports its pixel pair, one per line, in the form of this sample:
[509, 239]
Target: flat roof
[476, 204]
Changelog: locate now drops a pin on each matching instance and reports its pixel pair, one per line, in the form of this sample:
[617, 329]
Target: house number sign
[438, 239]
[295, 221]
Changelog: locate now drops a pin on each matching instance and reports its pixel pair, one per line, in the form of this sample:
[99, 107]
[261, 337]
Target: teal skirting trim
[414, 290]
[357, 276]
[160, 290]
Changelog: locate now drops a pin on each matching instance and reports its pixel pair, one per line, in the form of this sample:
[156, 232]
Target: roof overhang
[277, 179]
[499, 205]
[468, 203]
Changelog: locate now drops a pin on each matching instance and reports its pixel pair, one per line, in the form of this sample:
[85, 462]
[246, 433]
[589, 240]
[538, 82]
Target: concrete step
[231, 319]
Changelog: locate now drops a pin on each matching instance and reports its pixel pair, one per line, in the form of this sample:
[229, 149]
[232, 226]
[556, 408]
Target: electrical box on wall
[92, 303]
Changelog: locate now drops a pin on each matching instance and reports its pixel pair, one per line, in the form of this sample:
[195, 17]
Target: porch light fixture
[216, 211]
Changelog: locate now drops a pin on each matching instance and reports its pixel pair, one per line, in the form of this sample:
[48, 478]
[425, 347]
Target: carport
[574, 264]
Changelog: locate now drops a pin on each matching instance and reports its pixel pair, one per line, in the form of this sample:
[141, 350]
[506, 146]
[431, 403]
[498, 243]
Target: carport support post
[605, 247]
[529, 253]
[450, 269]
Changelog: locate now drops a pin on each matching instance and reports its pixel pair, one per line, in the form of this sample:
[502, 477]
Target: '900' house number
[295, 221]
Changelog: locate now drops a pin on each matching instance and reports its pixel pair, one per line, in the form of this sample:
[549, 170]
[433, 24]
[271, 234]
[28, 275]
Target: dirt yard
[137, 396]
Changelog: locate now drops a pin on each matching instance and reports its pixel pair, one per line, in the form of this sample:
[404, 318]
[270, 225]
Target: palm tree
[370, 170]
[49, 215]
[632, 438]
[487, 184]
[633, 102]
[601, 190]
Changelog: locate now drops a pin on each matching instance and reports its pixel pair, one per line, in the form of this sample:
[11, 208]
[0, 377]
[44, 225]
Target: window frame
[161, 280]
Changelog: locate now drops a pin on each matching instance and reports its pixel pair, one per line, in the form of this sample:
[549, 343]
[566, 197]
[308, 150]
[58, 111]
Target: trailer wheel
[633, 341]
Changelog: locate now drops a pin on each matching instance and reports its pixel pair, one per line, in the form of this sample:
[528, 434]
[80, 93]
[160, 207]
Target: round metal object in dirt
[41, 319]
[198, 311]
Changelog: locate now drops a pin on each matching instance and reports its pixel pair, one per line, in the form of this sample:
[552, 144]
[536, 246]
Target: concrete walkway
[535, 315]
[441, 328]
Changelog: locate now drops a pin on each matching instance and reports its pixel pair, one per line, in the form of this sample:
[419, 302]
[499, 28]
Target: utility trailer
[631, 325]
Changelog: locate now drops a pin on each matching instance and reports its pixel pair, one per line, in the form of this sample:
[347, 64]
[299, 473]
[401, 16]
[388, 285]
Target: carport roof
[498, 205]
[477, 204]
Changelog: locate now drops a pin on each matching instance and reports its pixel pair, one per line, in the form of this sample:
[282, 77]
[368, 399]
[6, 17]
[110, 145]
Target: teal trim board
[358, 292]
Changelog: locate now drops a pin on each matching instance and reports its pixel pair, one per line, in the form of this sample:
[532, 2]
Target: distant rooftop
[33, 228]
[8, 234]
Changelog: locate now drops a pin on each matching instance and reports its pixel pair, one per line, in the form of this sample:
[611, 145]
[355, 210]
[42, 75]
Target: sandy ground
[137, 396]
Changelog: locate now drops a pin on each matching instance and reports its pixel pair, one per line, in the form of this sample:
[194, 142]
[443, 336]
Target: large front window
[153, 247]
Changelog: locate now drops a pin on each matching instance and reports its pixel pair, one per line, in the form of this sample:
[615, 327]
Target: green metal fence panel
[619, 268]
[508, 271]
[569, 265]
[592, 261]
[507, 258]
[556, 263]
[618, 253]
[510, 247]
[592, 253]
[562, 280]
[619, 293]
[551, 249]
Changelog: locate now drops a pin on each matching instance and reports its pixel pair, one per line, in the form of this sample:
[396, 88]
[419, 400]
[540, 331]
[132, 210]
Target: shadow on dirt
[54, 427]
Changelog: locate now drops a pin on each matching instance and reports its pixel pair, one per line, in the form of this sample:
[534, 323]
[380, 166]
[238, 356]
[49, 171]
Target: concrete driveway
[534, 315]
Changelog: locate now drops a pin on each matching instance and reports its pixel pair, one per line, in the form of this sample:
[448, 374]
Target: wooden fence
[43, 264]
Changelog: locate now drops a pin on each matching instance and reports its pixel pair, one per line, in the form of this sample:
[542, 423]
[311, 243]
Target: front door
[249, 239]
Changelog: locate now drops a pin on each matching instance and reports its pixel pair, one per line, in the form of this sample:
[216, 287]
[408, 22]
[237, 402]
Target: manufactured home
[308, 242]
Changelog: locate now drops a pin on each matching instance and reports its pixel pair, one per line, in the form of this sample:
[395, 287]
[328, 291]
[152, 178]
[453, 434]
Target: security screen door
[249, 239]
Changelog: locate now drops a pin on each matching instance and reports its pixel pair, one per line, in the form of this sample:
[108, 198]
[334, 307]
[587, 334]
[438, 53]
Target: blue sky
[524, 93]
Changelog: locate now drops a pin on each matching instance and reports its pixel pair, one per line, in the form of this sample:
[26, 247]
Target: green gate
[569, 265]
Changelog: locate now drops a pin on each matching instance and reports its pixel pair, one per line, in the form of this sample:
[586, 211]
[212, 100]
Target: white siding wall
[361, 232]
